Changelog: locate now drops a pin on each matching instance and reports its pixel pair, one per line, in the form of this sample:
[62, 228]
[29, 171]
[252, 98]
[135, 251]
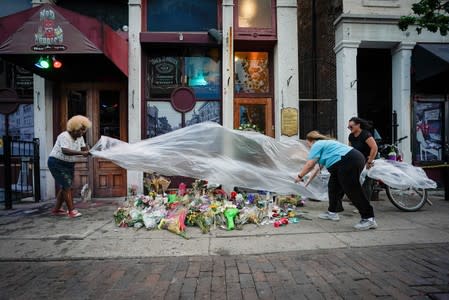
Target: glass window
[182, 15]
[199, 69]
[20, 123]
[251, 72]
[429, 131]
[204, 111]
[162, 118]
[252, 114]
[203, 76]
[110, 113]
[254, 14]
[76, 104]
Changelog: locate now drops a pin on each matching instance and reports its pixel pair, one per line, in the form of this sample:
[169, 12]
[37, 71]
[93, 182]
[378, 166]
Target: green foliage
[432, 15]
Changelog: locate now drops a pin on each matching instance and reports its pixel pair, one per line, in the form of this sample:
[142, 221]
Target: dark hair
[364, 124]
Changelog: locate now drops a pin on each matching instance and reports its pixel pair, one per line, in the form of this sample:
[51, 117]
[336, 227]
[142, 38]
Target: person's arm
[372, 153]
[315, 171]
[67, 151]
[306, 169]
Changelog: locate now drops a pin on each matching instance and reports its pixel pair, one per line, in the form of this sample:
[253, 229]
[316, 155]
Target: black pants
[345, 179]
[368, 187]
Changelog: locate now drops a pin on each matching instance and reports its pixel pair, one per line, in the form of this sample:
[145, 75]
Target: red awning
[52, 30]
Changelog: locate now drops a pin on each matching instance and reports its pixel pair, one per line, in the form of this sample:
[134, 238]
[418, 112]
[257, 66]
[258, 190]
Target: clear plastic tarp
[211, 152]
[399, 175]
[233, 158]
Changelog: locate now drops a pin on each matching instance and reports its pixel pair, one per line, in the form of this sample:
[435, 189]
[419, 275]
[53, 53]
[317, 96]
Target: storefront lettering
[165, 71]
[48, 32]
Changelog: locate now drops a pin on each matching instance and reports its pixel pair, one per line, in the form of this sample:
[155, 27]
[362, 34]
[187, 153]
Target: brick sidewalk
[398, 272]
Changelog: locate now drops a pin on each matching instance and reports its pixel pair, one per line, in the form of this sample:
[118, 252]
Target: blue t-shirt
[328, 152]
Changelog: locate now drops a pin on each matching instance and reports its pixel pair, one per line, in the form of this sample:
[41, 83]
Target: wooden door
[111, 120]
[105, 105]
[254, 111]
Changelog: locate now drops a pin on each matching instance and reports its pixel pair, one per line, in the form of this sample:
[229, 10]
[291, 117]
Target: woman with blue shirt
[344, 164]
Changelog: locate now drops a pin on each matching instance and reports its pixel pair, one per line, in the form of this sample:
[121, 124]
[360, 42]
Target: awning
[82, 43]
[430, 60]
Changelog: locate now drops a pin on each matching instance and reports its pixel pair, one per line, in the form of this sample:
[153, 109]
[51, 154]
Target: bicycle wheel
[410, 199]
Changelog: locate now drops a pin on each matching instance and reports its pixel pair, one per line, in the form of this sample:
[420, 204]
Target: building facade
[394, 78]
[234, 62]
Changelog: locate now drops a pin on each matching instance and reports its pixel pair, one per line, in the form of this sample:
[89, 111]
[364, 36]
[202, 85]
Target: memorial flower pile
[204, 207]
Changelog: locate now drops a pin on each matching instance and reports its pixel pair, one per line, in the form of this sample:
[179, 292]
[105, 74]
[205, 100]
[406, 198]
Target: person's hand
[369, 164]
[85, 153]
[298, 179]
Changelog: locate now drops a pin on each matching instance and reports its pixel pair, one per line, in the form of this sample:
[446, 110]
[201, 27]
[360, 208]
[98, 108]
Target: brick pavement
[386, 272]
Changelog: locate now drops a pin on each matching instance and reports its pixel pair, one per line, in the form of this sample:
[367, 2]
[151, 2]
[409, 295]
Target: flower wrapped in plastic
[153, 217]
[122, 217]
[136, 217]
[198, 218]
[143, 201]
[251, 215]
[175, 221]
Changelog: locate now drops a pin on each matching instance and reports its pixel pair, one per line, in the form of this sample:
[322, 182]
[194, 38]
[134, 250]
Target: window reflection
[253, 114]
[199, 69]
[254, 13]
[251, 72]
[110, 113]
[20, 123]
[182, 15]
[204, 111]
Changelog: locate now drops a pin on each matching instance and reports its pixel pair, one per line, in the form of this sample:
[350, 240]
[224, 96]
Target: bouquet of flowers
[175, 221]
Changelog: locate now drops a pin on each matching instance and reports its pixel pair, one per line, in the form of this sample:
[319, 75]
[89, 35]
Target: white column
[228, 64]
[43, 124]
[401, 95]
[135, 84]
[286, 82]
[346, 52]
[43, 130]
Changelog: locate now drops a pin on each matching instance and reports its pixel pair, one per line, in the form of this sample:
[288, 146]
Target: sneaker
[329, 216]
[366, 224]
[58, 212]
[74, 214]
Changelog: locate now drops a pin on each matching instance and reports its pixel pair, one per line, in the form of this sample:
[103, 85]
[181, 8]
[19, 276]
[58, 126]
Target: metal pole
[36, 171]
[7, 171]
[395, 127]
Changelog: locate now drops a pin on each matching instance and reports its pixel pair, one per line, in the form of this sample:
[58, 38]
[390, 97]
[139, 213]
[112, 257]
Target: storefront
[430, 74]
[210, 64]
[167, 65]
[81, 67]
[230, 62]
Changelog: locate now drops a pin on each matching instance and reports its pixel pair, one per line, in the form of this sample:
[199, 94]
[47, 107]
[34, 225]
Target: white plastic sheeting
[239, 158]
[211, 152]
[399, 175]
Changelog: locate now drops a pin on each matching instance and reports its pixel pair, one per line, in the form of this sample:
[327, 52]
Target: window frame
[248, 33]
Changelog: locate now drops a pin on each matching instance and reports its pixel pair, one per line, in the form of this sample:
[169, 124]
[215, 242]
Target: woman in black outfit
[361, 139]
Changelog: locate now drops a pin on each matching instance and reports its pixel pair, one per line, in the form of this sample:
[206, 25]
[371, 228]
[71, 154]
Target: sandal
[58, 212]
[74, 214]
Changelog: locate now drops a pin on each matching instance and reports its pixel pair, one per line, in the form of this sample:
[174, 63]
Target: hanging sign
[289, 121]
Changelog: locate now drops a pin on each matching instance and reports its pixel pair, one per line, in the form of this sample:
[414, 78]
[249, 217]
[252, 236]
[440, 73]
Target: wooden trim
[181, 38]
[269, 130]
[263, 34]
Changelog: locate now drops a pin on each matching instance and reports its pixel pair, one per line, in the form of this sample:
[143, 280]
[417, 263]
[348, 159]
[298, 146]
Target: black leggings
[345, 179]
